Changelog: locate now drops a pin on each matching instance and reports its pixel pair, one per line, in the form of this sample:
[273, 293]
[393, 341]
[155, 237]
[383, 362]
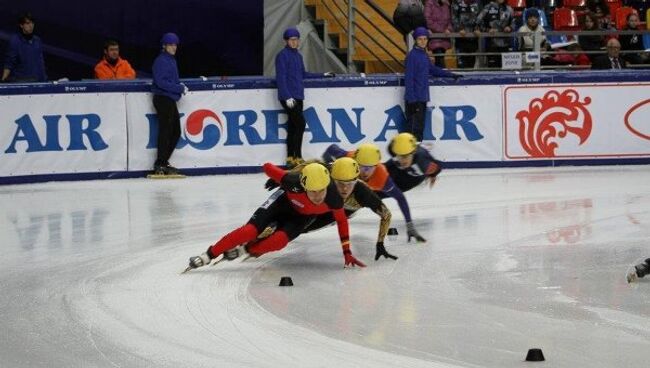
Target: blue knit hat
[419, 32]
[169, 39]
[291, 32]
[532, 12]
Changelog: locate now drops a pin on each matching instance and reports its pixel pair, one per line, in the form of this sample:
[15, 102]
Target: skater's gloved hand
[458, 76]
[329, 75]
[270, 184]
[291, 103]
[350, 261]
[185, 89]
[381, 251]
[412, 233]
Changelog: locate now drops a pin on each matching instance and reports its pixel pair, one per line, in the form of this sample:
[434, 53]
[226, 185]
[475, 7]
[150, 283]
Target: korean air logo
[202, 130]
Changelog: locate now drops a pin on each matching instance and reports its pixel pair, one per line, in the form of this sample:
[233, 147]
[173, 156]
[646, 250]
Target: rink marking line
[549, 287]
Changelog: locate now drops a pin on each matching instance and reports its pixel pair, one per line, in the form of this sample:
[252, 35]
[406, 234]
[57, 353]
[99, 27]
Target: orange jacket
[121, 70]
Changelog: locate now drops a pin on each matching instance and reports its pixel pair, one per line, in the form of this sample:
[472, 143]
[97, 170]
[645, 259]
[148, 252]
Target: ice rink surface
[515, 259]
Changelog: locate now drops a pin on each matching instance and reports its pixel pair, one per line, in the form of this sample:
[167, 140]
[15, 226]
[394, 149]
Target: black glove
[381, 251]
[412, 233]
[458, 76]
[271, 184]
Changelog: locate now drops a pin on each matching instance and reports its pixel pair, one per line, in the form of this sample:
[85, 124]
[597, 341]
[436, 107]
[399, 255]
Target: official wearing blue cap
[167, 89]
[289, 74]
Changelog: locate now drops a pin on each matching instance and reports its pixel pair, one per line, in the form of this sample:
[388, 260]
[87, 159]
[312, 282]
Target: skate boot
[198, 261]
[231, 254]
[159, 170]
[297, 161]
[639, 271]
[171, 170]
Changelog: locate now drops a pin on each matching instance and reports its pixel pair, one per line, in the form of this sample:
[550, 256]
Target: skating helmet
[367, 155]
[345, 169]
[419, 32]
[169, 39]
[314, 177]
[403, 144]
[291, 32]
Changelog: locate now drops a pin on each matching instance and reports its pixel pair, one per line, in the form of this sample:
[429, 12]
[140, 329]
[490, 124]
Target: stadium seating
[565, 19]
[613, 5]
[621, 16]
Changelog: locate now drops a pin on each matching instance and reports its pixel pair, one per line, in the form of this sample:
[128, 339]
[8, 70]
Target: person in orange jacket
[112, 66]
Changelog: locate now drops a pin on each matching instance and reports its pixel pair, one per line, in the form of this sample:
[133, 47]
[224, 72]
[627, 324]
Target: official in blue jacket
[289, 75]
[24, 59]
[416, 81]
[167, 90]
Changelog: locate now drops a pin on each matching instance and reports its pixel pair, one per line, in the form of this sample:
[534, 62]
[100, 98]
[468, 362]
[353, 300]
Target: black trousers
[295, 129]
[415, 114]
[277, 209]
[169, 127]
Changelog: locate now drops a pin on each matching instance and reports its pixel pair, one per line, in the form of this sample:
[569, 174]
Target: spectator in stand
[633, 42]
[416, 83]
[167, 90]
[600, 14]
[409, 15]
[289, 74]
[570, 53]
[527, 42]
[590, 42]
[612, 60]
[496, 16]
[24, 60]
[463, 19]
[438, 16]
[112, 66]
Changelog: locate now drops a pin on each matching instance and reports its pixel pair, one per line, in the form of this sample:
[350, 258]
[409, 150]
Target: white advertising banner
[62, 133]
[248, 127]
[576, 121]
[466, 123]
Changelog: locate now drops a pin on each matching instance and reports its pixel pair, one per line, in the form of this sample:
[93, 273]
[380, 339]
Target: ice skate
[165, 172]
[632, 276]
[198, 261]
[231, 254]
[638, 271]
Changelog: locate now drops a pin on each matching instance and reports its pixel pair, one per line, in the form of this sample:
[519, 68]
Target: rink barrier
[103, 130]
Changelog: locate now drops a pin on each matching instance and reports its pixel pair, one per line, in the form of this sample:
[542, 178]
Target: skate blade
[217, 262]
[164, 176]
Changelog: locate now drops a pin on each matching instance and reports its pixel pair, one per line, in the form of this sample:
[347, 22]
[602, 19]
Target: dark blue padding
[343, 81]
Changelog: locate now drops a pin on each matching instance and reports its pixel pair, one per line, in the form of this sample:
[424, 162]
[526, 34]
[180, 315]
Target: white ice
[515, 259]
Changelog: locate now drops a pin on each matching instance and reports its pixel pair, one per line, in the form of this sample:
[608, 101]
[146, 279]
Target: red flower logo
[551, 117]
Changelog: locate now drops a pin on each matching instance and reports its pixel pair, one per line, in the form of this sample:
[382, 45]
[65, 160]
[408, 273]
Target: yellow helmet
[314, 177]
[367, 154]
[403, 144]
[345, 169]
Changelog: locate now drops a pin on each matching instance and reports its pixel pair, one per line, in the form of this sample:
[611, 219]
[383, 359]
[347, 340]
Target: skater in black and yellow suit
[410, 164]
[356, 195]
